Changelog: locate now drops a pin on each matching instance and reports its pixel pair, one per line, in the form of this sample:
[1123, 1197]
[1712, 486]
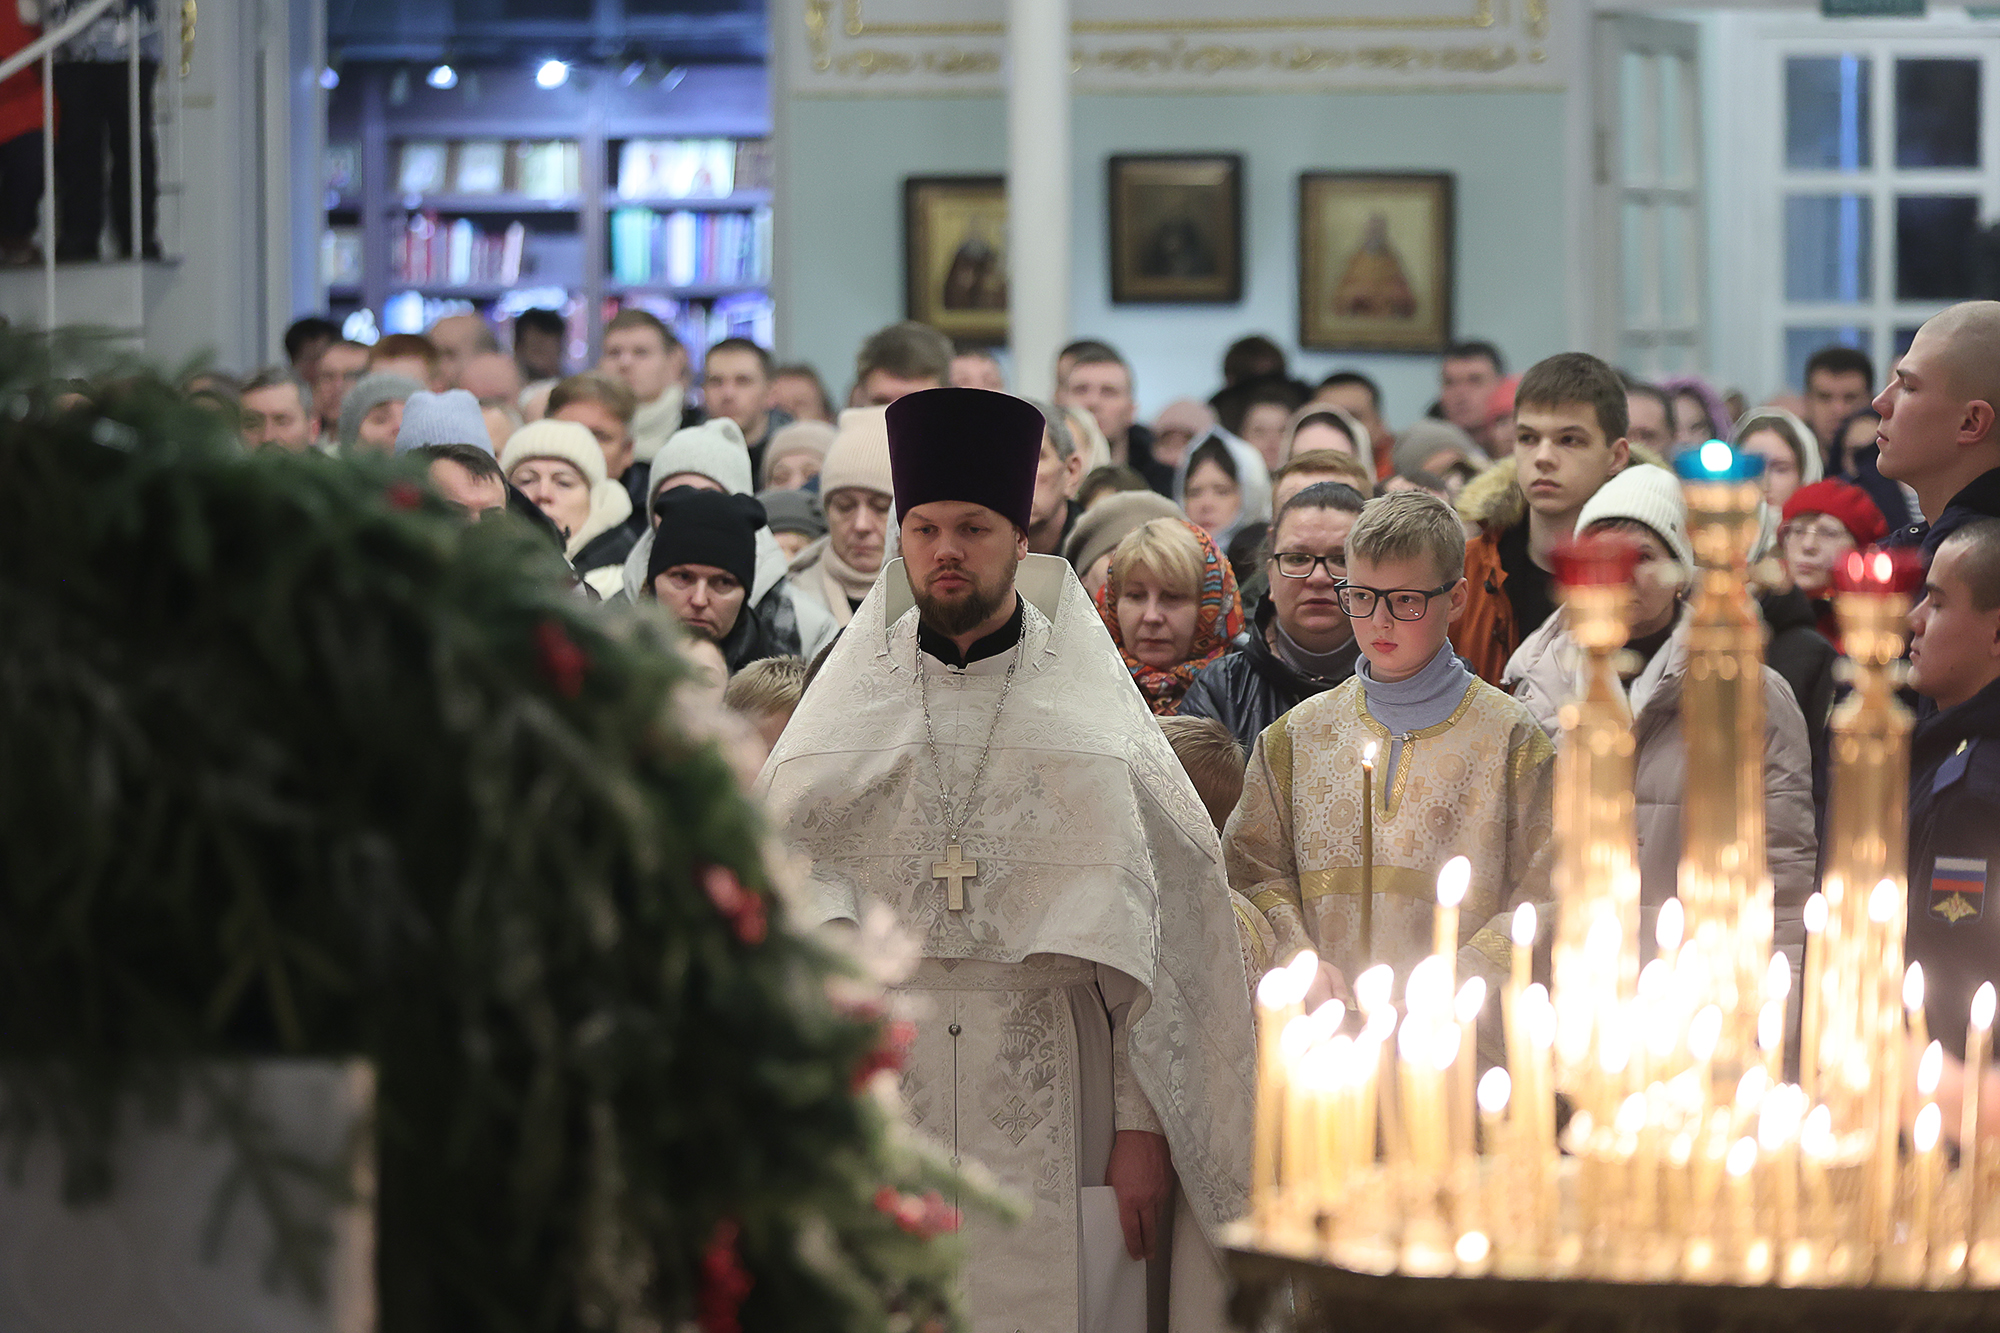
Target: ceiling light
[552, 74]
[329, 78]
[442, 76]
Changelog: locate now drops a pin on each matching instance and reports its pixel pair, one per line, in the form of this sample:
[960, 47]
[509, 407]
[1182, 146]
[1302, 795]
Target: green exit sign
[1871, 9]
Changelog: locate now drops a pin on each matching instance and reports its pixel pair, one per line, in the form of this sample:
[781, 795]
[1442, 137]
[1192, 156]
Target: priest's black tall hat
[969, 445]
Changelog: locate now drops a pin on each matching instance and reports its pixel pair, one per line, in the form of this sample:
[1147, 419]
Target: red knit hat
[1854, 507]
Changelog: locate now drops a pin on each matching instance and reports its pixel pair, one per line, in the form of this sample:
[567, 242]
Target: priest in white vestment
[981, 762]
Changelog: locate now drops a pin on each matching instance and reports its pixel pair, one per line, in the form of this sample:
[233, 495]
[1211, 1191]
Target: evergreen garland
[293, 762]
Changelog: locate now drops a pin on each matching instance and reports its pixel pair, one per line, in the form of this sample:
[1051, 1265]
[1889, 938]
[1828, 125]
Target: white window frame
[1750, 212]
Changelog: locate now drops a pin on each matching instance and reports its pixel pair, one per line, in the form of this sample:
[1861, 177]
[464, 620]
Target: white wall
[844, 161]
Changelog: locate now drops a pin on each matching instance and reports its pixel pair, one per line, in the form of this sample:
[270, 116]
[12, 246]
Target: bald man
[1939, 434]
[458, 339]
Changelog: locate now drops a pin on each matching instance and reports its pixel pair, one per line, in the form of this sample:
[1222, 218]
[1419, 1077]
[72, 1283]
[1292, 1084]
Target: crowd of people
[1281, 576]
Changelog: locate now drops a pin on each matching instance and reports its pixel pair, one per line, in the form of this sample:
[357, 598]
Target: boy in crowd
[1569, 439]
[764, 694]
[1213, 762]
[1460, 769]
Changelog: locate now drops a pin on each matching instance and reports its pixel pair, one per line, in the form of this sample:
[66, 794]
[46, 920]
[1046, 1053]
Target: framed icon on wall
[1176, 229]
[1375, 257]
[955, 256]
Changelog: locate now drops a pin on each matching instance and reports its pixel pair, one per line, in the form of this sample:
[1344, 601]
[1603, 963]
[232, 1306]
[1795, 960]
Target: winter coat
[1485, 635]
[1979, 498]
[1542, 676]
[1251, 687]
[1954, 839]
[1796, 650]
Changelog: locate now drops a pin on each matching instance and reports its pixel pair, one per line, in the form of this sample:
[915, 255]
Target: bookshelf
[499, 195]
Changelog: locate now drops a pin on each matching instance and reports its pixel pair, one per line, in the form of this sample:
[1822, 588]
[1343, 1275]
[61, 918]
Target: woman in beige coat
[1645, 503]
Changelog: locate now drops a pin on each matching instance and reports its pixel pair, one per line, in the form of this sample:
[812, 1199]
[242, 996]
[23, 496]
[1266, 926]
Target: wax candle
[1811, 1000]
[1451, 885]
[1923, 1206]
[1296, 1166]
[1753, 1250]
[1278, 997]
[1470, 1000]
[1913, 1005]
[1368, 854]
[1521, 931]
[1778, 1140]
[1971, 1154]
[1816, 1148]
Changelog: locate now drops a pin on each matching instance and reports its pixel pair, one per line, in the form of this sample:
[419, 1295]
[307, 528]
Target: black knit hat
[969, 445]
[703, 527]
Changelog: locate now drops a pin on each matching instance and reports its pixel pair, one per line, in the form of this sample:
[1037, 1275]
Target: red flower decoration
[562, 662]
[724, 1283]
[403, 495]
[925, 1218]
[897, 1038]
[743, 908]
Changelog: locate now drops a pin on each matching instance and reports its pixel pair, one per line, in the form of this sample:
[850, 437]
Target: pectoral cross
[957, 869]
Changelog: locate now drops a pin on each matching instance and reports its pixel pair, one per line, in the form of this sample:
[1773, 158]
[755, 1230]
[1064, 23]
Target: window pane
[1638, 108]
[1905, 335]
[1937, 113]
[1678, 299]
[1934, 240]
[1674, 164]
[1642, 266]
[1801, 343]
[1826, 112]
[1828, 241]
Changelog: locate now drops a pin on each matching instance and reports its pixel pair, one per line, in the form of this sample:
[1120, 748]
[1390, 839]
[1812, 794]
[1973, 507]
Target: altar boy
[1460, 769]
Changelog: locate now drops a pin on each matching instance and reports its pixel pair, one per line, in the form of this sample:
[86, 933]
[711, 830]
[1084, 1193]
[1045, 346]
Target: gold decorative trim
[1212, 59]
[1481, 17]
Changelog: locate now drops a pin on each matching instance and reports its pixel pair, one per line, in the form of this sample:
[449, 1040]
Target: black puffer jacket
[1801, 654]
[1249, 688]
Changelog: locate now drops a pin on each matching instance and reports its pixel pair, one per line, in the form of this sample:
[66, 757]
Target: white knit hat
[714, 449]
[610, 503]
[451, 417]
[1644, 494]
[859, 454]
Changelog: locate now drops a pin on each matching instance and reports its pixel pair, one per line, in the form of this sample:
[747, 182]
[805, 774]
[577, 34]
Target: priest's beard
[968, 608]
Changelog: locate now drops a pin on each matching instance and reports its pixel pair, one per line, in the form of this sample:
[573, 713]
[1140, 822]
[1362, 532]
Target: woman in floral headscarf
[1172, 607]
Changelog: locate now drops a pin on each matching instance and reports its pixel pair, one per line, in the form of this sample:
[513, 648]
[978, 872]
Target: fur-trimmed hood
[1493, 499]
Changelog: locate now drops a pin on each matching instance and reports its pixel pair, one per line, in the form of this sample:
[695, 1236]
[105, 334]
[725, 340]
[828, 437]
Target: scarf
[655, 422]
[841, 584]
[1218, 620]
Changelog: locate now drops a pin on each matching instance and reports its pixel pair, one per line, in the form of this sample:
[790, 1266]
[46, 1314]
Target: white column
[1038, 189]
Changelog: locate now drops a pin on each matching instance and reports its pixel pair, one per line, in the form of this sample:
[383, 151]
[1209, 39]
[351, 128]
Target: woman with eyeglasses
[1299, 643]
[1171, 605]
[1823, 522]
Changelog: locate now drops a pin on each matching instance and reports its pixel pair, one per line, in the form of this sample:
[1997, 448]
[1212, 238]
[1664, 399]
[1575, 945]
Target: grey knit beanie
[451, 417]
[370, 392]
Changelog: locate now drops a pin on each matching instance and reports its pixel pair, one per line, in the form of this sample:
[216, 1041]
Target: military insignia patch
[1958, 889]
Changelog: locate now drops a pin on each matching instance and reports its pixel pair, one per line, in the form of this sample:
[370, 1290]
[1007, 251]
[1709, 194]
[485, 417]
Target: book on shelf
[341, 168]
[677, 169]
[548, 170]
[429, 253]
[688, 248]
[479, 166]
[340, 257]
[756, 165]
[421, 168]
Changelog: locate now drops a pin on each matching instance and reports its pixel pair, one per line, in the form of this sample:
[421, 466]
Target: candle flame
[1778, 978]
[1280, 989]
[1930, 1069]
[1704, 1032]
[1540, 1016]
[1453, 880]
[1982, 1006]
[1428, 989]
[1884, 566]
[1771, 1025]
[1304, 967]
[1924, 1133]
[1472, 1247]
[1471, 999]
[1742, 1157]
[1816, 914]
[1368, 755]
[1328, 1017]
[1882, 901]
[1913, 987]
[1779, 1119]
[1496, 1086]
[1297, 1037]
[1672, 921]
[1631, 1116]
[1750, 1089]
[1523, 931]
[1816, 1135]
[1444, 1053]
[1371, 988]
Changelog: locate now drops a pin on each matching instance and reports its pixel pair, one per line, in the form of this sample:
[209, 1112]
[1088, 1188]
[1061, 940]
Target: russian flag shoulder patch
[1958, 889]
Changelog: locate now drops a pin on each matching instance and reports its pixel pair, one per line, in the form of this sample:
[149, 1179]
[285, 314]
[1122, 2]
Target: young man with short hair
[1839, 382]
[467, 476]
[1460, 769]
[277, 410]
[605, 407]
[1569, 439]
[1467, 376]
[458, 339]
[798, 389]
[736, 383]
[1954, 807]
[539, 337]
[900, 360]
[643, 352]
[977, 368]
[1649, 416]
[410, 355]
[340, 368]
[1100, 382]
[1362, 397]
[1939, 433]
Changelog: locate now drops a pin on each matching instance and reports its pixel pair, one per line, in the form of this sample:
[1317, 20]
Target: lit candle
[1913, 1005]
[1451, 885]
[1816, 1148]
[1522, 933]
[1278, 997]
[1368, 854]
[1778, 1138]
[1924, 1138]
[1978, 1045]
[1297, 1168]
[1703, 1034]
[1465, 1009]
[1753, 1250]
[1811, 1000]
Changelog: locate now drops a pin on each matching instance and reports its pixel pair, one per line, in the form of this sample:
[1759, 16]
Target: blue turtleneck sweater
[1425, 699]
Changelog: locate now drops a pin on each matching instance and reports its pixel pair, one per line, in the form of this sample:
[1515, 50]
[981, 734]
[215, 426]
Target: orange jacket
[1486, 635]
